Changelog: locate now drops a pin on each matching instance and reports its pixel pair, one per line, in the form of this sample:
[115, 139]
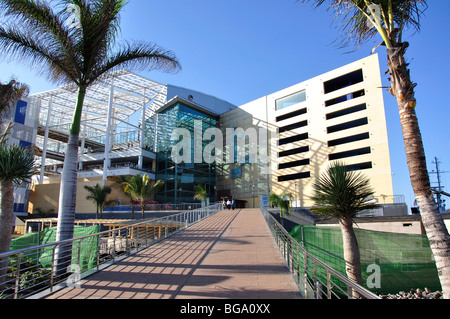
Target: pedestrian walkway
[228, 255]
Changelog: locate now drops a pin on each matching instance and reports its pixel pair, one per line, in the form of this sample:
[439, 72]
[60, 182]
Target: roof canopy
[130, 93]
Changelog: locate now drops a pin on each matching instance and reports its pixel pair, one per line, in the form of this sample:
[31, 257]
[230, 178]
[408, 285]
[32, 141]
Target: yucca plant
[16, 167]
[342, 194]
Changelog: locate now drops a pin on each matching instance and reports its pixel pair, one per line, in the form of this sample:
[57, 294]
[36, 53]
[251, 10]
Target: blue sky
[240, 50]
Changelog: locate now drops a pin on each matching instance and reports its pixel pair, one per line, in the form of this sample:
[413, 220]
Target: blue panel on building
[24, 144]
[21, 110]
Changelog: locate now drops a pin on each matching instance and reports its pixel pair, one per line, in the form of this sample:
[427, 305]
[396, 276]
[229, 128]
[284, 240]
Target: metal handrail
[309, 280]
[36, 271]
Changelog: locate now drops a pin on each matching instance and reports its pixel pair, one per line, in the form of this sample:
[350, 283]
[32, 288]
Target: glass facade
[180, 179]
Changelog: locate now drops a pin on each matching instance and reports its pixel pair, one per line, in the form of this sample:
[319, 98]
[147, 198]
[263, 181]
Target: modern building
[278, 143]
[338, 115]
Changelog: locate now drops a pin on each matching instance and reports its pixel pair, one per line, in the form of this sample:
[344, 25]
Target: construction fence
[390, 262]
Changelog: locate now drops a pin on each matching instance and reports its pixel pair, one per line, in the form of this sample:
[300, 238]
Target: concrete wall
[46, 196]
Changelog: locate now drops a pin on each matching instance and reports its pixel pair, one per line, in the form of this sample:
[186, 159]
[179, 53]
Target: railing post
[165, 228]
[79, 253]
[98, 251]
[315, 276]
[53, 268]
[305, 263]
[114, 245]
[350, 292]
[17, 281]
[328, 284]
[127, 242]
[146, 234]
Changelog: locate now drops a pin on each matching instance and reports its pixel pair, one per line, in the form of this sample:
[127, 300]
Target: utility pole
[439, 189]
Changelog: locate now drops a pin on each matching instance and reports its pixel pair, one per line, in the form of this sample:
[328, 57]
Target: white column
[83, 140]
[44, 146]
[141, 141]
[106, 162]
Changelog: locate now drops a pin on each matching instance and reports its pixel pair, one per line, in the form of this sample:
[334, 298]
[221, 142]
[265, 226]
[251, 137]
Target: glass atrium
[180, 179]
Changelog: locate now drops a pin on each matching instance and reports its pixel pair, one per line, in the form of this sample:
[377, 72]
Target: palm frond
[200, 193]
[10, 93]
[140, 56]
[355, 28]
[340, 193]
[16, 164]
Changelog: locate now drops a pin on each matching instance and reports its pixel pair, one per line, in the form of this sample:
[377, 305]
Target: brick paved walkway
[229, 255]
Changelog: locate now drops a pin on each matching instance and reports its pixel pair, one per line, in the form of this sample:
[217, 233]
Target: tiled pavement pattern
[229, 255]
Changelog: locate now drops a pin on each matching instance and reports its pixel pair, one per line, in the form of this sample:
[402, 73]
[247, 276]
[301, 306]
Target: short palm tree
[340, 193]
[16, 167]
[120, 182]
[363, 20]
[200, 194]
[141, 189]
[79, 53]
[283, 202]
[99, 194]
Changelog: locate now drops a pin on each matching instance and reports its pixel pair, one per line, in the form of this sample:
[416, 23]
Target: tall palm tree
[141, 189]
[16, 167]
[340, 193]
[362, 21]
[200, 194]
[98, 194]
[79, 53]
[10, 93]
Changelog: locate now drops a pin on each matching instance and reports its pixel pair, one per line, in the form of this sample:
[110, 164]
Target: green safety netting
[405, 261]
[84, 252]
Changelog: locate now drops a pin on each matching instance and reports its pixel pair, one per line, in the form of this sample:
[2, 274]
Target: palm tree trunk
[68, 191]
[403, 90]
[351, 252]
[6, 223]
[67, 202]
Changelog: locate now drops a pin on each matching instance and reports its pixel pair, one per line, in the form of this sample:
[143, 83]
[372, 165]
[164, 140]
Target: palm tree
[121, 183]
[16, 167]
[10, 93]
[283, 202]
[140, 189]
[78, 53]
[390, 19]
[200, 194]
[340, 193]
[98, 194]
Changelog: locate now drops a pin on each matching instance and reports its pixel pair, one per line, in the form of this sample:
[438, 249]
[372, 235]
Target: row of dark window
[329, 86]
[302, 175]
